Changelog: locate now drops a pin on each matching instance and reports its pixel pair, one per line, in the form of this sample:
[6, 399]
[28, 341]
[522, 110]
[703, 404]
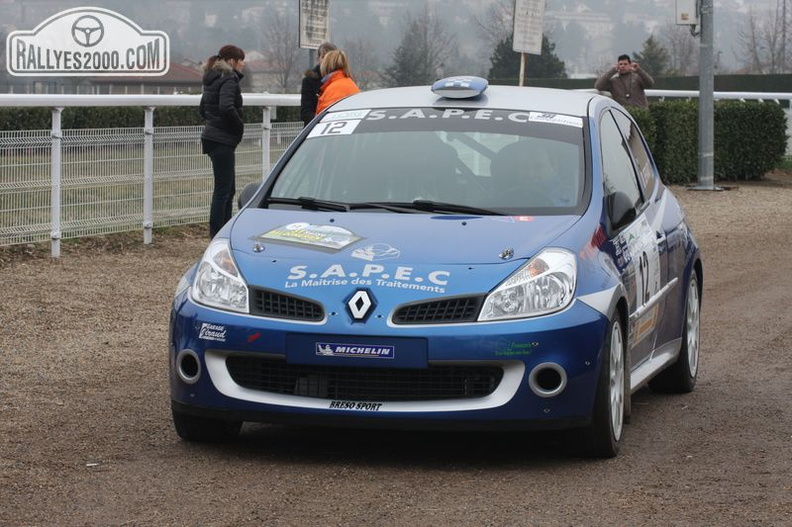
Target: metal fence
[59, 184]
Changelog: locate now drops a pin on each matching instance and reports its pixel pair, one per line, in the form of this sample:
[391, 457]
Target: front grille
[364, 384]
[267, 303]
[450, 310]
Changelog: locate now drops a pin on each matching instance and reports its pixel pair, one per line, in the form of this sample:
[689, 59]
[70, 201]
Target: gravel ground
[86, 437]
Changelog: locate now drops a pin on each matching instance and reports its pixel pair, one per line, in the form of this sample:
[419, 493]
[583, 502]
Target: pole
[56, 176]
[522, 69]
[706, 105]
[148, 174]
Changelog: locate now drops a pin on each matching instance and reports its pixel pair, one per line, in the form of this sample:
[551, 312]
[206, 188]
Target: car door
[637, 245]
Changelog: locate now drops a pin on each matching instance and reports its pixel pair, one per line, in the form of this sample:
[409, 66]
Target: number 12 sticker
[334, 128]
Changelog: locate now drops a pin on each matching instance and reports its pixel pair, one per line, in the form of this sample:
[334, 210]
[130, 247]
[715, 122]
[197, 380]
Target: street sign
[528, 19]
[314, 23]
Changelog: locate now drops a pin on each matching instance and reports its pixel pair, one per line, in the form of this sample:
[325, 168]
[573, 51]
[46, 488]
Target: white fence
[57, 184]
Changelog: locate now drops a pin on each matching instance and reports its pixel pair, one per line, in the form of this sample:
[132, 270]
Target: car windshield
[438, 160]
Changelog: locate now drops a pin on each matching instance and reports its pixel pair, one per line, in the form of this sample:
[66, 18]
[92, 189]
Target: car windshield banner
[87, 41]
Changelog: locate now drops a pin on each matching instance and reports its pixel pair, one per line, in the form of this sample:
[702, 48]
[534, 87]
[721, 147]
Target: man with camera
[626, 82]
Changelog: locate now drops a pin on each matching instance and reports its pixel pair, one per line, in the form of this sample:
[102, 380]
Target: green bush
[676, 143]
[114, 117]
[749, 139]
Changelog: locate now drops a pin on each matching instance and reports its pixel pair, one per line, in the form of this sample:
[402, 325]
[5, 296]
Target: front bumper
[547, 370]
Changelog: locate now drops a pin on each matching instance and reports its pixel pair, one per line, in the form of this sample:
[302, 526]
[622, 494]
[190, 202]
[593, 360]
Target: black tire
[195, 429]
[680, 377]
[602, 438]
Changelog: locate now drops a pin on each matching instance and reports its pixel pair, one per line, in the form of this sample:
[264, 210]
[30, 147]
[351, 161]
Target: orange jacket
[337, 87]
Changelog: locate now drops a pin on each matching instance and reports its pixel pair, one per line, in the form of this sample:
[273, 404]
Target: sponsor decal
[517, 349]
[345, 116]
[355, 405]
[87, 41]
[331, 349]
[254, 337]
[324, 237]
[554, 118]
[376, 252]
[376, 275]
[212, 332]
[475, 115]
[638, 256]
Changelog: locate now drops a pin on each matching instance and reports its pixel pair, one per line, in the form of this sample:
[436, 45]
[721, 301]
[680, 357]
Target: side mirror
[247, 194]
[621, 210]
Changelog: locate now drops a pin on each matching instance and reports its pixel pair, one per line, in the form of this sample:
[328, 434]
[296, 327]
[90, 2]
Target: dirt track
[86, 438]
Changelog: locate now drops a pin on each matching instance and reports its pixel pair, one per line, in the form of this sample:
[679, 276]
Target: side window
[641, 155]
[617, 166]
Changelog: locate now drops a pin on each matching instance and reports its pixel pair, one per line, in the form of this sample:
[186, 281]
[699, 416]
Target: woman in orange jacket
[337, 81]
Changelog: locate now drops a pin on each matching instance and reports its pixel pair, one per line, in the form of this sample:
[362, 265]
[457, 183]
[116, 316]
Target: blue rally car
[460, 256]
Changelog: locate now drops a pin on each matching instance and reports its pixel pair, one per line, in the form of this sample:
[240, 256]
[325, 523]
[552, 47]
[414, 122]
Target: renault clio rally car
[460, 256]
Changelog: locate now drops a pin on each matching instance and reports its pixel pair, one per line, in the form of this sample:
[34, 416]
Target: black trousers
[224, 167]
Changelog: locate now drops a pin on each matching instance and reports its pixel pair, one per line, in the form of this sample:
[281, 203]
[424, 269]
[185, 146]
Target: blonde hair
[335, 60]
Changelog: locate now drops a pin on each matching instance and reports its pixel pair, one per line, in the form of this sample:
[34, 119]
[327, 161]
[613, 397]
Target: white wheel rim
[616, 391]
[693, 323]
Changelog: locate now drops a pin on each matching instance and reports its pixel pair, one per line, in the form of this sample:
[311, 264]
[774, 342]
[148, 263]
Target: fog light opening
[189, 366]
[547, 379]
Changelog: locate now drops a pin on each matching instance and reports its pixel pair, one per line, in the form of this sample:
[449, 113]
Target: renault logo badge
[360, 304]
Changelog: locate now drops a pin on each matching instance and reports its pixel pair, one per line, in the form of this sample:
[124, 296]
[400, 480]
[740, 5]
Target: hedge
[12, 119]
[749, 139]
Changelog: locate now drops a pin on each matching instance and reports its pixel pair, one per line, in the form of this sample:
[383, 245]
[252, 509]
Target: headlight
[217, 282]
[543, 285]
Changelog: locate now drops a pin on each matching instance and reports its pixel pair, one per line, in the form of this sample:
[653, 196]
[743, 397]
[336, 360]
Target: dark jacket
[309, 94]
[221, 105]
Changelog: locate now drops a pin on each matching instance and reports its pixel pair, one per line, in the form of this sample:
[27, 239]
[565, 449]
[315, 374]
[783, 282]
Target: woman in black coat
[221, 109]
[312, 81]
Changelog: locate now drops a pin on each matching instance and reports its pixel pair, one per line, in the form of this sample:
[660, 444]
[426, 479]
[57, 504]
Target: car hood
[296, 249]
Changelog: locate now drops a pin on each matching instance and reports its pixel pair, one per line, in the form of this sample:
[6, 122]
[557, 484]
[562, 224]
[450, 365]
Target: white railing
[57, 184]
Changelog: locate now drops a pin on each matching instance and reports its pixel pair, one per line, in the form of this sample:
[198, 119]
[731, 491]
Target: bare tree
[426, 44]
[283, 48]
[497, 23]
[364, 61]
[683, 49]
[762, 41]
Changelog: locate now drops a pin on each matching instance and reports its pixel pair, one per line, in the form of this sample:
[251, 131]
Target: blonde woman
[337, 80]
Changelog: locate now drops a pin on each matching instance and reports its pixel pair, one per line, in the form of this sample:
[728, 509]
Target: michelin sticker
[330, 349]
[375, 275]
[323, 237]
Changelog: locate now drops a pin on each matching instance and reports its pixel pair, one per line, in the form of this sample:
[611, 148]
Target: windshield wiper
[447, 208]
[417, 206]
[311, 203]
[340, 206]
